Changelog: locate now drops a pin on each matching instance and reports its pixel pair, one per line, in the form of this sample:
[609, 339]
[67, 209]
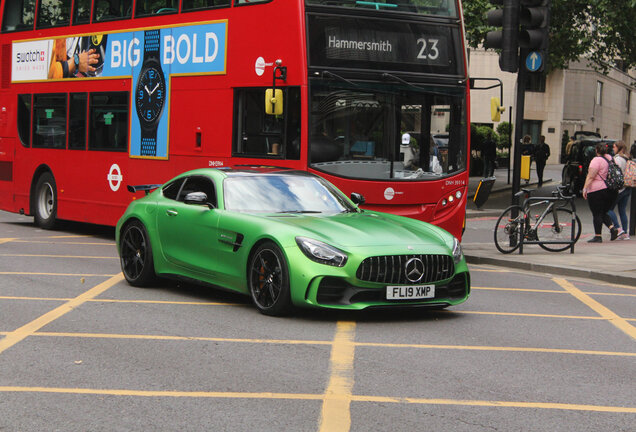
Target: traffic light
[534, 18]
[496, 109]
[506, 38]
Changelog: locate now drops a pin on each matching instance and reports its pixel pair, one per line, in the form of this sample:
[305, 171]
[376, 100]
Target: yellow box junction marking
[6, 240]
[336, 415]
[603, 311]
[28, 329]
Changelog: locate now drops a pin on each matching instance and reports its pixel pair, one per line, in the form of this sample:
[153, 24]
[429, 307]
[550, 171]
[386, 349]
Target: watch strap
[148, 142]
[151, 43]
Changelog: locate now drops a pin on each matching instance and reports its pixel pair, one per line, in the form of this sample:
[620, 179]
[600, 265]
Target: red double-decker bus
[98, 94]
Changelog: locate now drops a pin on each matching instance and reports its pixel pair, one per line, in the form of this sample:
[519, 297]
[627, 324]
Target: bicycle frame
[529, 231]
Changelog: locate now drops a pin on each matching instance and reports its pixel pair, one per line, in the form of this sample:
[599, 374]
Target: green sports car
[287, 238]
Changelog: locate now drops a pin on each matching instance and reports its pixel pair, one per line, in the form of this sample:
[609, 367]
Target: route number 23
[428, 49]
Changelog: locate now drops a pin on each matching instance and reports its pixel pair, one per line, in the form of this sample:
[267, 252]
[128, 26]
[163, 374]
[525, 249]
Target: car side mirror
[357, 198]
[197, 198]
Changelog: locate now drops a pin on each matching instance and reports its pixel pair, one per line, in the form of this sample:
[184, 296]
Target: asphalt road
[81, 350]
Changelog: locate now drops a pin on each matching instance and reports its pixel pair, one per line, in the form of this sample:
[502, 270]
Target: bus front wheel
[45, 201]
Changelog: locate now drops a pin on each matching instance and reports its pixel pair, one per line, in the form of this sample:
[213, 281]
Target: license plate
[410, 292]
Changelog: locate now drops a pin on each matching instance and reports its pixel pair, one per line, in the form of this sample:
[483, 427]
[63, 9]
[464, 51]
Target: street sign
[534, 61]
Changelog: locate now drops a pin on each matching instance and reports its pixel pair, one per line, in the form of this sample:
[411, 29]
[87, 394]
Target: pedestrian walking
[620, 158]
[489, 152]
[599, 197]
[541, 155]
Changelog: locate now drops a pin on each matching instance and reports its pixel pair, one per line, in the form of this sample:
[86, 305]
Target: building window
[18, 15]
[628, 101]
[262, 135]
[49, 121]
[108, 116]
[599, 93]
[54, 13]
[24, 119]
[77, 121]
[536, 83]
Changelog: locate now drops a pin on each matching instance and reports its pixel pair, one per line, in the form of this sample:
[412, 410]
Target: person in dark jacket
[541, 155]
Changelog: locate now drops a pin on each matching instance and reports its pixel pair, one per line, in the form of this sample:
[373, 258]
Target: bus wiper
[333, 75]
[386, 75]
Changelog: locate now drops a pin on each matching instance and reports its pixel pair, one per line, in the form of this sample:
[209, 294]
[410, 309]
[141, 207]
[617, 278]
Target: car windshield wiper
[299, 211]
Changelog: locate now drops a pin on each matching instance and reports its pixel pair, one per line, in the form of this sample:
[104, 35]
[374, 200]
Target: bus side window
[150, 7]
[24, 119]
[49, 120]
[77, 121]
[108, 117]
[18, 15]
[53, 13]
[108, 10]
[189, 5]
[82, 12]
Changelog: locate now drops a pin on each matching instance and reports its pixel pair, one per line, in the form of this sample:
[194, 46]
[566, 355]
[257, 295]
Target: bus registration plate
[410, 292]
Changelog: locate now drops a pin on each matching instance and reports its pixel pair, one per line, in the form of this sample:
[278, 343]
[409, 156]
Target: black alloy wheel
[268, 280]
[136, 255]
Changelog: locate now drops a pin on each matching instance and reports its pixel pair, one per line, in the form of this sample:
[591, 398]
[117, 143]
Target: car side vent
[5, 68]
[406, 269]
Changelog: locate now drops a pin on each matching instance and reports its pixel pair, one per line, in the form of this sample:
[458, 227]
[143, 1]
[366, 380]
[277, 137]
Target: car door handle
[171, 212]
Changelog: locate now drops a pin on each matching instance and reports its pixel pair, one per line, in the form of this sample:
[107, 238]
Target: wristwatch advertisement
[150, 94]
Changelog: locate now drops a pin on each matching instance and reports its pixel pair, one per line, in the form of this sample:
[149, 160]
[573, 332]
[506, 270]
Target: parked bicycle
[550, 222]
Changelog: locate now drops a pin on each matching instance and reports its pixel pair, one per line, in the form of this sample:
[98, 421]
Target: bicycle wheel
[557, 226]
[509, 230]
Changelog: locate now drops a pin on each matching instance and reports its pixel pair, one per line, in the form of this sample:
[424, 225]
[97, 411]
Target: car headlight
[457, 251]
[321, 252]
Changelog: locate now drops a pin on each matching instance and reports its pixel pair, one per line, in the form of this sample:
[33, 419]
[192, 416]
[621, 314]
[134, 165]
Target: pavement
[609, 261]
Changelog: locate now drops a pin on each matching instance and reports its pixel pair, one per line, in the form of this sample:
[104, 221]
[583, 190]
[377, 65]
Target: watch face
[150, 94]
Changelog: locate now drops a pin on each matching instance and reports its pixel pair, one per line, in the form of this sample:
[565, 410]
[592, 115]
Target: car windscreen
[282, 194]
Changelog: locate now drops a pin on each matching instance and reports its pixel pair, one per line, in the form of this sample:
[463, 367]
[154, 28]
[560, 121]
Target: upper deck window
[18, 15]
[54, 13]
[82, 12]
[154, 7]
[108, 10]
[246, 2]
[447, 8]
[191, 5]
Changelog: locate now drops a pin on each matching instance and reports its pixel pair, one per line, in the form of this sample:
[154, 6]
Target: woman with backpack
[599, 197]
[620, 158]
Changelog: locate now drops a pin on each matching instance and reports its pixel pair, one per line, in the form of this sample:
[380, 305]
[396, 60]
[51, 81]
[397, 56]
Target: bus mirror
[274, 101]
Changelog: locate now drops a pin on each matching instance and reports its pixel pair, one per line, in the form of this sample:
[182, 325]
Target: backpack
[615, 179]
[630, 173]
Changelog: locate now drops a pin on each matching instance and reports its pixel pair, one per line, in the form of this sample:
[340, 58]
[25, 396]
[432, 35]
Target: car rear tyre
[136, 255]
[45, 202]
[268, 280]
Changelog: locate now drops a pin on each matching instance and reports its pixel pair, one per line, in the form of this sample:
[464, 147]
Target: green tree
[599, 30]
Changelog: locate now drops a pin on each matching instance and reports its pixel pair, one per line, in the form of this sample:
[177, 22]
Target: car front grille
[392, 269]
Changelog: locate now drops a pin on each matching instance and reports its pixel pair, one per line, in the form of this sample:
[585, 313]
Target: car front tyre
[268, 280]
[136, 255]
[45, 201]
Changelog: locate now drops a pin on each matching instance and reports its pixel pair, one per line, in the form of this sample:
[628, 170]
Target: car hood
[364, 229]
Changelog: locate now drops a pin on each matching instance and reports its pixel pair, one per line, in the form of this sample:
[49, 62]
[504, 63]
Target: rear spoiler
[146, 188]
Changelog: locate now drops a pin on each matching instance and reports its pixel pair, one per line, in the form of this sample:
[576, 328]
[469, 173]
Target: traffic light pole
[522, 78]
